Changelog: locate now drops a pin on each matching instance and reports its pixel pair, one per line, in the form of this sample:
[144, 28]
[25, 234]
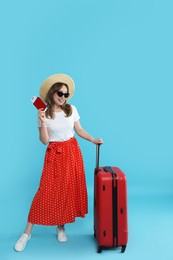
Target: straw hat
[57, 78]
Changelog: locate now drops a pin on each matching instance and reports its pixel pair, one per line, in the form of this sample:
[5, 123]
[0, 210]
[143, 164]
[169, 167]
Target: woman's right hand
[42, 115]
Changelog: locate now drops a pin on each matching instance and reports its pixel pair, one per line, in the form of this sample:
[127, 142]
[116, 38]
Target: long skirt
[62, 194]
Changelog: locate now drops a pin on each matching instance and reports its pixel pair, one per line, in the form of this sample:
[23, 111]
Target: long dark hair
[50, 102]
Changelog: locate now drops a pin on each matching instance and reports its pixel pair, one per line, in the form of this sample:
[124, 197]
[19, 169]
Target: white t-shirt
[61, 128]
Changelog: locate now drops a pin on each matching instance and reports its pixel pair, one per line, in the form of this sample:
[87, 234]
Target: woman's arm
[44, 137]
[82, 133]
[43, 134]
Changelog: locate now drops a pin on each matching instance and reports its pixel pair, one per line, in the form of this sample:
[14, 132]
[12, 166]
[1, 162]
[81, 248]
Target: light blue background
[120, 56]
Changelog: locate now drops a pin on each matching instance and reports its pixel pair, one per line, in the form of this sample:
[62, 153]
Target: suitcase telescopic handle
[97, 156]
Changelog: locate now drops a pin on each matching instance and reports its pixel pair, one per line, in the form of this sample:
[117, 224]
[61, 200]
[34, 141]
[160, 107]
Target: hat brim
[57, 78]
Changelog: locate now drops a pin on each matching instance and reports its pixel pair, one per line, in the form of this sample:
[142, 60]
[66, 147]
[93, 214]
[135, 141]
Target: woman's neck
[57, 108]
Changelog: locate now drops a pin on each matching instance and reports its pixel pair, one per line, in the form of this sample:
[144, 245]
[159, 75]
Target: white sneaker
[61, 235]
[21, 243]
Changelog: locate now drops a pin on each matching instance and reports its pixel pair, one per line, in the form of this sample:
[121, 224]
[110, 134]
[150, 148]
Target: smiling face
[58, 98]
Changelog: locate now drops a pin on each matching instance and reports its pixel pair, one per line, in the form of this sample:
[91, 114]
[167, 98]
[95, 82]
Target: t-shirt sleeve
[76, 116]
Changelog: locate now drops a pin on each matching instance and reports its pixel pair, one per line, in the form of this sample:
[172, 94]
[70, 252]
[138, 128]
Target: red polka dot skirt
[62, 194]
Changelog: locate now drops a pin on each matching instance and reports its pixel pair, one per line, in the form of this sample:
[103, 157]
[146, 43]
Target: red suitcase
[110, 206]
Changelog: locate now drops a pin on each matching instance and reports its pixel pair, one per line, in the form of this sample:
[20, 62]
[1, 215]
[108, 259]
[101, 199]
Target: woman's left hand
[97, 141]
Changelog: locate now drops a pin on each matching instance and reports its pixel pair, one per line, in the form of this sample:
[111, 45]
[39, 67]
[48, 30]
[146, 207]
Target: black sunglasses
[60, 94]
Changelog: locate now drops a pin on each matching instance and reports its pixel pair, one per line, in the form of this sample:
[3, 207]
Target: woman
[62, 194]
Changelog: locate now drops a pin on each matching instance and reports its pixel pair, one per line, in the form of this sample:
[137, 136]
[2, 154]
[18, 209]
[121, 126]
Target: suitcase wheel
[99, 250]
[123, 249]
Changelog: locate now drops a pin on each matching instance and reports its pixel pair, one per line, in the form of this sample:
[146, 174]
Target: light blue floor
[150, 235]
